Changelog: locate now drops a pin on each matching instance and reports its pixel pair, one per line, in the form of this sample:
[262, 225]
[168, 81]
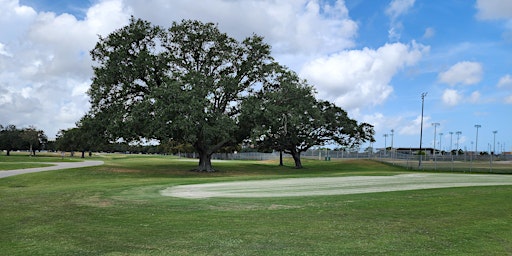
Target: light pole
[458, 135]
[421, 127]
[471, 159]
[392, 136]
[494, 142]
[451, 139]
[385, 144]
[435, 130]
[440, 142]
[435, 133]
[476, 141]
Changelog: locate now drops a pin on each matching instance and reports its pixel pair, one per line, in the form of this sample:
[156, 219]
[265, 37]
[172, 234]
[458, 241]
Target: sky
[372, 58]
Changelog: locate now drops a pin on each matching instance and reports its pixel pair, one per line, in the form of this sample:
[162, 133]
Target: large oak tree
[287, 117]
[185, 83]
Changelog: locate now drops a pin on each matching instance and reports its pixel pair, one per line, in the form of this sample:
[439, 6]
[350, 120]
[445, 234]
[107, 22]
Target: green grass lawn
[22, 160]
[116, 209]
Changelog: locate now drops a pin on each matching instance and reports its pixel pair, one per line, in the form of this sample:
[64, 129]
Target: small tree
[33, 138]
[10, 139]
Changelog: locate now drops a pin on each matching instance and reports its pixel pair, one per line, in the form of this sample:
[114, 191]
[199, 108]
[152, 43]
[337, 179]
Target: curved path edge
[56, 166]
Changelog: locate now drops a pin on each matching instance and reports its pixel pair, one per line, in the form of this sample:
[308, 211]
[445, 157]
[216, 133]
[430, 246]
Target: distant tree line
[28, 139]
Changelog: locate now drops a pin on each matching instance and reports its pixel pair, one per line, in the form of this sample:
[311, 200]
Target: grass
[21, 160]
[116, 209]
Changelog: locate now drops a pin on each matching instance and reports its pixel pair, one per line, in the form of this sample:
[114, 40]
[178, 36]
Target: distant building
[415, 151]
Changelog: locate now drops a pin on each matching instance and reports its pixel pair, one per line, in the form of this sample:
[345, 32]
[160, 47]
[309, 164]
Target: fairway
[154, 205]
[54, 166]
[333, 185]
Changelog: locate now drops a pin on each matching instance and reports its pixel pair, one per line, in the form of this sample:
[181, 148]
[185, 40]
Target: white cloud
[494, 9]
[4, 51]
[414, 126]
[505, 81]
[429, 33]
[358, 78]
[399, 7]
[381, 123]
[475, 97]
[395, 9]
[451, 97]
[462, 73]
[46, 56]
[292, 27]
[45, 63]
[508, 99]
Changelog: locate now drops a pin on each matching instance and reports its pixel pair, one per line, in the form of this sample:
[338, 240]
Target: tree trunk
[205, 162]
[296, 159]
[83, 154]
[8, 152]
[280, 158]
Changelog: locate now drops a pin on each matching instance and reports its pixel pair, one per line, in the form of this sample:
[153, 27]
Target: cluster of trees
[31, 139]
[191, 84]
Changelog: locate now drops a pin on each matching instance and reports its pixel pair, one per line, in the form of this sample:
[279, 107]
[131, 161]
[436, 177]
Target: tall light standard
[494, 142]
[476, 141]
[451, 139]
[440, 142]
[385, 144]
[458, 135]
[392, 133]
[392, 136]
[435, 131]
[421, 127]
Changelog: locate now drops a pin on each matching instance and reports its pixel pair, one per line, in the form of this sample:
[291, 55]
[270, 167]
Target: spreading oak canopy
[190, 83]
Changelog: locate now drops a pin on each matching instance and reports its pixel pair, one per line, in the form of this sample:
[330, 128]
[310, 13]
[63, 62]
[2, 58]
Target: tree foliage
[287, 117]
[13, 138]
[88, 135]
[184, 83]
[191, 84]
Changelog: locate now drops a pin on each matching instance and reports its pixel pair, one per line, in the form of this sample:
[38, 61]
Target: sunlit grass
[116, 209]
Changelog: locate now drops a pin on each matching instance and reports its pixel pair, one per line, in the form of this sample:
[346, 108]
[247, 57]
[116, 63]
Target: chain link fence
[465, 162]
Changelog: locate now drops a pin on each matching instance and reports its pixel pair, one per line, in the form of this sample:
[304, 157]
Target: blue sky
[373, 58]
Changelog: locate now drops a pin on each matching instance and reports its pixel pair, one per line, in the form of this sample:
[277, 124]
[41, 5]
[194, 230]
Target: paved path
[57, 166]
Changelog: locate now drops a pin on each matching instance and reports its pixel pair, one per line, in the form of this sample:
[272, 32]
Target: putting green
[333, 185]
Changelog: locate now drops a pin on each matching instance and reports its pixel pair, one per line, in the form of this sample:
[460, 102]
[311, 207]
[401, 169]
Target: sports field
[131, 205]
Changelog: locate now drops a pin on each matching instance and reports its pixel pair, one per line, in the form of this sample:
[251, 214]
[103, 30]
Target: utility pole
[451, 140]
[476, 143]
[441, 142]
[392, 133]
[421, 127]
[385, 144]
[494, 142]
[435, 130]
[458, 135]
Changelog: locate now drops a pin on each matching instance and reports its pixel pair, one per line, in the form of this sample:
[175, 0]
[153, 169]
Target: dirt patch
[333, 185]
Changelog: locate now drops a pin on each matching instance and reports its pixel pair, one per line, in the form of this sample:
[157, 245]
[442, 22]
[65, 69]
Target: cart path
[57, 166]
[333, 185]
